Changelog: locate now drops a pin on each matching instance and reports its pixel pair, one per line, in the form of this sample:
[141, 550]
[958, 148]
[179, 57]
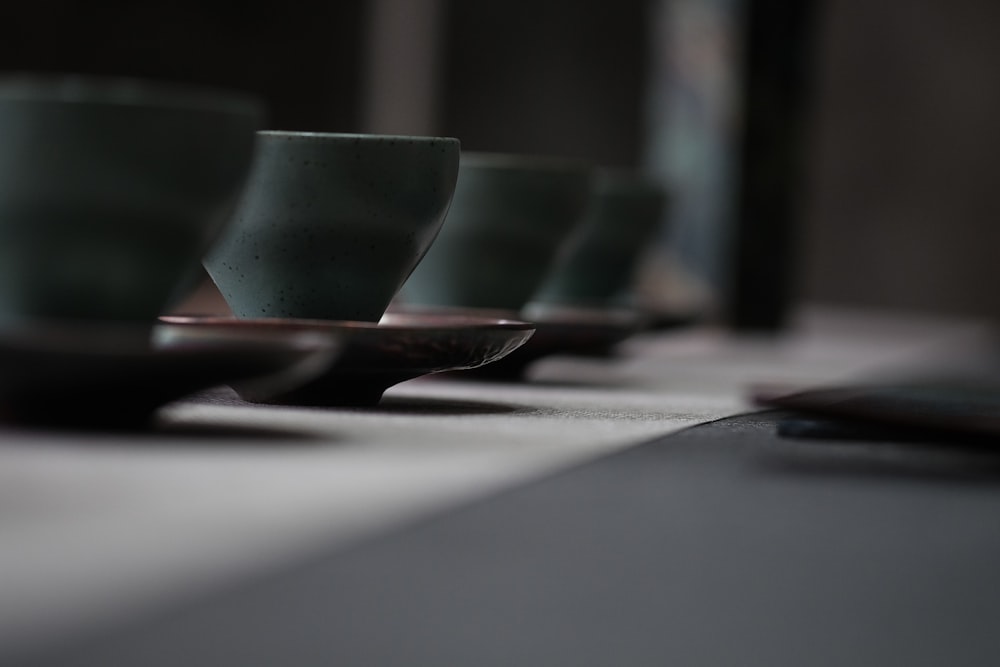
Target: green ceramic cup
[111, 190]
[330, 225]
[625, 213]
[509, 218]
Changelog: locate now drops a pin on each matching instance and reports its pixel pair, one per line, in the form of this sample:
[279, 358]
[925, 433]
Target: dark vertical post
[777, 70]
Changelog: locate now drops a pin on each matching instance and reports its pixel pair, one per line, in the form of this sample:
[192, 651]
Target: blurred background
[834, 152]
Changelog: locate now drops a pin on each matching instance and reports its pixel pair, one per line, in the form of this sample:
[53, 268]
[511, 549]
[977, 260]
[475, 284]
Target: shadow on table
[165, 434]
[410, 405]
[429, 405]
[195, 433]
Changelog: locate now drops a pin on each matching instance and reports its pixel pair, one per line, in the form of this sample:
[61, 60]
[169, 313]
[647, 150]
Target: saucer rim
[441, 323]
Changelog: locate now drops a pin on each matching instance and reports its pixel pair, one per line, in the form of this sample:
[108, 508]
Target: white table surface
[95, 527]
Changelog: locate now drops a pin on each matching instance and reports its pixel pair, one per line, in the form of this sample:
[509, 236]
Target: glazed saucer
[117, 375]
[567, 330]
[376, 356]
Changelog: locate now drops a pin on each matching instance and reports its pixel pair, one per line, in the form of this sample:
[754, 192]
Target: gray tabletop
[720, 545]
[109, 534]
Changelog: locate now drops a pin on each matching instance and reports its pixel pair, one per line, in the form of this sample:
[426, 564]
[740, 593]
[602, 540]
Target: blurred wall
[559, 77]
[900, 206]
[303, 60]
[904, 200]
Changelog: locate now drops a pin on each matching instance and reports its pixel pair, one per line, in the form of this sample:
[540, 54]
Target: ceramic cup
[625, 213]
[509, 218]
[111, 190]
[330, 225]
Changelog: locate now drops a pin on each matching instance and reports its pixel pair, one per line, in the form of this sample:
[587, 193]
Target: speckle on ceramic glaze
[365, 191]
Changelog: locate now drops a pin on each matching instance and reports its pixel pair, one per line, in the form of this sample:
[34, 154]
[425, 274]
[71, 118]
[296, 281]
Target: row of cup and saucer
[411, 341]
[408, 342]
[114, 374]
[118, 375]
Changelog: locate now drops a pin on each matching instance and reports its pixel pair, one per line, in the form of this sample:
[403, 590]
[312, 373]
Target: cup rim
[356, 136]
[125, 91]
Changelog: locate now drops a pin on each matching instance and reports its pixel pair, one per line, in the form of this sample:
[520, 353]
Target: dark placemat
[725, 544]
[943, 407]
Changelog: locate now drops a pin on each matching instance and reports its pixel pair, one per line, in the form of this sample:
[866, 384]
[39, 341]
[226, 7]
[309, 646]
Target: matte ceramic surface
[379, 355]
[332, 224]
[624, 214]
[111, 190]
[117, 376]
[509, 218]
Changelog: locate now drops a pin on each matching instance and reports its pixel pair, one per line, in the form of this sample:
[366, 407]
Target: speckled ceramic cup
[330, 225]
[625, 212]
[111, 190]
[510, 216]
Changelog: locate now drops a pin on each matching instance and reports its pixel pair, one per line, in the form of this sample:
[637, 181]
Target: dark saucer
[376, 356]
[116, 376]
[566, 331]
